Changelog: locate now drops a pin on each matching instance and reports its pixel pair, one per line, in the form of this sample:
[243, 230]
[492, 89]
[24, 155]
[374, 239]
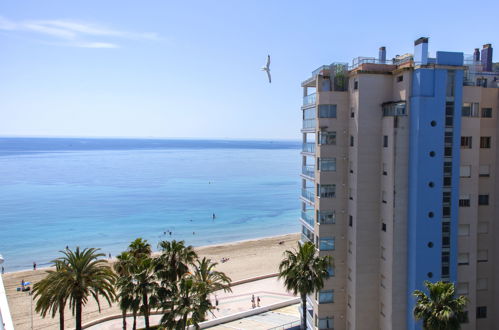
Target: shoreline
[247, 259]
[157, 252]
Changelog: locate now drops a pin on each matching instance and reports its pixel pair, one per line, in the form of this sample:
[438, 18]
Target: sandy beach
[246, 259]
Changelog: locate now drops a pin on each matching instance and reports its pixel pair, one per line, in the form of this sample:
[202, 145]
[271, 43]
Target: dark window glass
[385, 141]
[327, 110]
[447, 181]
[481, 312]
[351, 141]
[400, 78]
[483, 199]
[383, 226]
[355, 85]
[350, 221]
[486, 112]
[466, 142]
[485, 142]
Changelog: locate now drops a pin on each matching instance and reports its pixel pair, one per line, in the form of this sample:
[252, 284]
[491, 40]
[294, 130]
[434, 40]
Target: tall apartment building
[398, 185]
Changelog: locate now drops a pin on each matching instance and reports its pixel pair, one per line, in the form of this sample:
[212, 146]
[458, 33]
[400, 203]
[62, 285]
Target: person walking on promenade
[252, 301]
[258, 301]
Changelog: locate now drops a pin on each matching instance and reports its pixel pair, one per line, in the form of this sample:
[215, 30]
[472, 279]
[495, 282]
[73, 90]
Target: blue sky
[160, 68]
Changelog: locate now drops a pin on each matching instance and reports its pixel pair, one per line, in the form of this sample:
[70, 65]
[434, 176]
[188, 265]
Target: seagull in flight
[266, 68]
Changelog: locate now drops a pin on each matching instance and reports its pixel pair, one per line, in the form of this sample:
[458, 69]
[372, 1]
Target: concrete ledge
[251, 312]
[5, 317]
[252, 279]
[114, 317]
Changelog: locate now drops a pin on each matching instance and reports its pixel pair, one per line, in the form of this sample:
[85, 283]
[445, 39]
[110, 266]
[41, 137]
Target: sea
[104, 193]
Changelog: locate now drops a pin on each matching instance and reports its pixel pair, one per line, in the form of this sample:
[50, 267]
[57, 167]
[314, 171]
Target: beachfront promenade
[247, 259]
[270, 290]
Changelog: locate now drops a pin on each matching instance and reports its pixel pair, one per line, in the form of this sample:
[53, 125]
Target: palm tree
[209, 280]
[128, 300]
[50, 297]
[440, 310]
[140, 248]
[82, 274]
[186, 306]
[174, 260]
[144, 278]
[304, 273]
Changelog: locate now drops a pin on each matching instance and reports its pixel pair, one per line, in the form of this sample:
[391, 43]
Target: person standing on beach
[34, 265]
[3, 270]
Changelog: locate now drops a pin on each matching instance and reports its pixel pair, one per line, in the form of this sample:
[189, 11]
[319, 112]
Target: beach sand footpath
[247, 259]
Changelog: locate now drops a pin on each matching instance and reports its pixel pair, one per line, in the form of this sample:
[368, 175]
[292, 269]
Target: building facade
[398, 185]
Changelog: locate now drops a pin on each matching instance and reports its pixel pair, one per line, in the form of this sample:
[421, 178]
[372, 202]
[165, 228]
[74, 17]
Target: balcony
[309, 99]
[308, 216]
[308, 195]
[309, 123]
[308, 170]
[308, 147]
[305, 238]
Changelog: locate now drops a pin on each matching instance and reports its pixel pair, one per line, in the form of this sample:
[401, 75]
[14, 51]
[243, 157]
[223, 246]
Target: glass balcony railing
[305, 238]
[307, 194]
[309, 99]
[308, 170]
[308, 147]
[308, 216]
[309, 123]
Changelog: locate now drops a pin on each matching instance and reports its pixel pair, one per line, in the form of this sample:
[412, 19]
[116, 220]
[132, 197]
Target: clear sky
[158, 68]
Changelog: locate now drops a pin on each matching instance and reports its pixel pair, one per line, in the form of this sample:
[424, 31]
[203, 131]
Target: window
[350, 165]
[383, 226]
[383, 253]
[464, 230]
[466, 142]
[486, 112]
[327, 190]
[483, 227]
[400, 78]
[350, 220]
[349, 276]
[326, 244]
[328, 138]
[481, 312]
[483, 256]
[463, 259]
[326, 217]
[326, 296]
[393, 109]
[470, 110]
[383, 197]
[326, 323]
[382, 309]
[355, 84]
[485, 142]
[482, 284]
[350, 194]
[462, 288]
[352, 113]
[330, 272]
[465, 171]
[351, 141]
[349, 246]
[385, 141]
[327, 164]
[483, 199]
[484, 171]
[385, 170]
[464, 201]
[327, 110]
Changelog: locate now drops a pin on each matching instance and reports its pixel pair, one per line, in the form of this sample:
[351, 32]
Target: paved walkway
[269, 290]
[288, 317]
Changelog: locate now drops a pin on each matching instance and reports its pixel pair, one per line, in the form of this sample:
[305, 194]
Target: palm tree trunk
[61, 316]
[134, 320]
[124, 318]
[304, 311]
[146, 309]
[78, 314]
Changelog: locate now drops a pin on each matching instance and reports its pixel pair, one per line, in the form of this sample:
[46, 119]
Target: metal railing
[308, 147]
[309, 99]
[308, 170]
[307, 194]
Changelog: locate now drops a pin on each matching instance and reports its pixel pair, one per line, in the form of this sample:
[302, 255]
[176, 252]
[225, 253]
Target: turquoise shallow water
[105, 193]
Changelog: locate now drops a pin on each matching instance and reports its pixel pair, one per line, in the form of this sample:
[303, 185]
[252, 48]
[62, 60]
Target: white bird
[266, 68]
